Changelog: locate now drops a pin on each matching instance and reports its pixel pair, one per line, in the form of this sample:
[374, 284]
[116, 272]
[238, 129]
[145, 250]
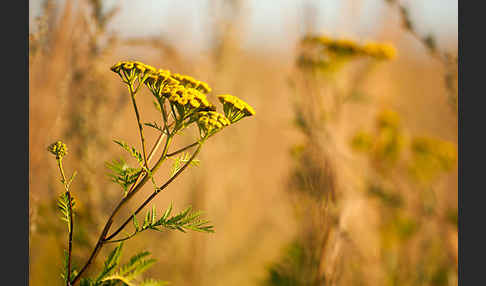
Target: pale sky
[273, 24]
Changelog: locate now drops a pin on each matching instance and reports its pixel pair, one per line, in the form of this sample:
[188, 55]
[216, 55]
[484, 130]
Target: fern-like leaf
[127, 274]
[152, 282]
[155, 126]
[180, 161]
[122, 174]
[111, 263]
[135, 154]
[63, 205]
[184, 220]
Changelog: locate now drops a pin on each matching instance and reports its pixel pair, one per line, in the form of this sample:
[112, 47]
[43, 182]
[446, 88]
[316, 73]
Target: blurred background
[346, 175]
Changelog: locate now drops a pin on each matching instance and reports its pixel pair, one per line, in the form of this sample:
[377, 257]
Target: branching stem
[182, 149]
[156, 192]
[102, 238]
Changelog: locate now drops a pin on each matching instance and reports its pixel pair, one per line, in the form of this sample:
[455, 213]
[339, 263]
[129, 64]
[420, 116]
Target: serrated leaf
[132, 150]
[167, 212]
[180, 161]
[135, 223]
[155, 126]
[122, 174]
[63, 205]
[154, 216]
[111, 262]
[184, 220]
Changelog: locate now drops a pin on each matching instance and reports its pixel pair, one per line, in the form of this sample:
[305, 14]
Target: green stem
[182, 149]
[70, 230]
[157, 191]
[140, 126]
[151, 154]
[101, 239]
[122, 239]
[157, 165]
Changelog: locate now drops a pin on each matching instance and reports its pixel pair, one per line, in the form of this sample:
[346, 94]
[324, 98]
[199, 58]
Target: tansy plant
[182, 102]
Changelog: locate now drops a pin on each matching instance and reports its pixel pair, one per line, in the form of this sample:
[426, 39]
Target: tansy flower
[129, 70]
[58, 148]
[235, 108]
[188, 81]
[388, 119]
[379, 51]
[186, 101]
[210, 122]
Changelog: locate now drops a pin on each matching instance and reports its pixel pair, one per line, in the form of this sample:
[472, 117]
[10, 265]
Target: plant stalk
[156, 192]
[70, 239]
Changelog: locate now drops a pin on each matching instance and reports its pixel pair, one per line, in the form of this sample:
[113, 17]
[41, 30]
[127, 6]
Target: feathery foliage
[127, 274]
[132, 150]
[180, 161]
[63, 205]
[122, 174]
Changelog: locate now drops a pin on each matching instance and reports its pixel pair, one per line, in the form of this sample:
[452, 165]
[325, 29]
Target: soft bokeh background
[249, 49]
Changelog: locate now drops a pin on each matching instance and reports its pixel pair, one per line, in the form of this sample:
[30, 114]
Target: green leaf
[116, 277]
[135, 154]
[135, 223]
[167, 212]
[180, 161]
[152, 282]
[63, 205]
[128, 273]
[111, 263]
[122, 174]
[183, 221]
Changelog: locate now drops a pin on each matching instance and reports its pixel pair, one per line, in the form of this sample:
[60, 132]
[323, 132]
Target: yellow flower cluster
[388, 119]
[347, 47]
[386, 144]
[235, 108]
[211, 122]
[379, 51]
[188, 81]
[58, 148]
[431, 156]
[161, 83]
[188, 97]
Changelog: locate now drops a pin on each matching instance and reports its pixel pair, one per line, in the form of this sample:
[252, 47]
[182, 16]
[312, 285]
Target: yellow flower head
[58, 148]
[235, 108]
[431, 156]
[160, 82]
[362, 141]
[130, 70]
[210, 122]
[188, 81]
[128, 66]
[379, 51]
[140, 67]
[188, 101]
[388, 119]
[203, 87]
[185, 80]
[117, 67]
[346, 48]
